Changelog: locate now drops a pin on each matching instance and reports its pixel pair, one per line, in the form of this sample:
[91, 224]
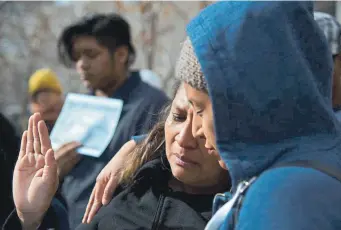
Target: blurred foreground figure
[9, 148]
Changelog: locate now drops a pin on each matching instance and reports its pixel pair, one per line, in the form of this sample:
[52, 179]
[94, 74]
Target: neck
[222, 185]
[115, 83]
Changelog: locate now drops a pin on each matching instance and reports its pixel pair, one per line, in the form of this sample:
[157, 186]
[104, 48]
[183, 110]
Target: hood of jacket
[268, 71]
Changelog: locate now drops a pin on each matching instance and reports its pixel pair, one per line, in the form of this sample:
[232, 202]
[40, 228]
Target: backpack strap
[328, 170]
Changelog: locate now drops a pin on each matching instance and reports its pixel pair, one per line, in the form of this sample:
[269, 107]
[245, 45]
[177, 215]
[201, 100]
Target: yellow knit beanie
[44, 79]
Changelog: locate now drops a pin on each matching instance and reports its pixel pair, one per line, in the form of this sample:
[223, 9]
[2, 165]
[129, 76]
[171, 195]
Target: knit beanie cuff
[188, 68]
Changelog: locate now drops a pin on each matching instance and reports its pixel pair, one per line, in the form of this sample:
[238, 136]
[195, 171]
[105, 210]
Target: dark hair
[110, 30]
[150, 148]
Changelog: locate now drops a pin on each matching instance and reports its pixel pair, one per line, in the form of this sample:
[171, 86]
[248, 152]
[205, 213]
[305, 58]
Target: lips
[184, 162]
[85, 76]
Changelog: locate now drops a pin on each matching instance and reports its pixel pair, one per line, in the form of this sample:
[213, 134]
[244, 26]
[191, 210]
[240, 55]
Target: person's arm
[35, 177]
[107, 181]
[291, 198]
[13, 222]
[51, 220]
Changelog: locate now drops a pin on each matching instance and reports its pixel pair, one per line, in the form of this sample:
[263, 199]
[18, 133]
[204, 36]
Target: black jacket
[9, 149]
[146, 204]
[149, 203]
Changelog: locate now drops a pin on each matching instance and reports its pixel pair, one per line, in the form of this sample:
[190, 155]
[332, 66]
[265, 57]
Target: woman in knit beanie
[189, 71]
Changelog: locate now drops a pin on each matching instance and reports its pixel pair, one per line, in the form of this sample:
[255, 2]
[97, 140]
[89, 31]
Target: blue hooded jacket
[268, 71]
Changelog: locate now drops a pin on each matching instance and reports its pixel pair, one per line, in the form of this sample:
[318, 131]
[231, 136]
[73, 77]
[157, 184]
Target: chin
[222, 164]
[87, 84]
[181, 174]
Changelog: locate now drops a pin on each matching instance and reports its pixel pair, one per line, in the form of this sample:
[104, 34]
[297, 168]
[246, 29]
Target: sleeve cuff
[139, 139]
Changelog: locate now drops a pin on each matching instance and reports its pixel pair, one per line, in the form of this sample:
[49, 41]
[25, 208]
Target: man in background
[45, 96]
[101, 50]
[332, 30]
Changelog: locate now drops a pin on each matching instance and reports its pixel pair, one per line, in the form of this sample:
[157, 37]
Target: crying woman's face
[203, 119]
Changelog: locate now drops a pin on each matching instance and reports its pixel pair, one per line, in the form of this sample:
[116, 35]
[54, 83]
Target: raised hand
[107, 181]
[35, 178]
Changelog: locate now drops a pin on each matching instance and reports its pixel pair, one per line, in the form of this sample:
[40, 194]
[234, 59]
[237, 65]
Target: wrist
[30, 221]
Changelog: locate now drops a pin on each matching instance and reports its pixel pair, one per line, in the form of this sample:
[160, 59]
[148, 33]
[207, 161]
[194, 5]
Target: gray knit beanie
[331, 29]
[188, 68]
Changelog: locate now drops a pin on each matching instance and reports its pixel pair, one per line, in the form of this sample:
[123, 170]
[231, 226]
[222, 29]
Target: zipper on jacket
[158, 212]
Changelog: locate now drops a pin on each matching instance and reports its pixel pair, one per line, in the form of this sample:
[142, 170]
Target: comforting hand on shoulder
[107, 181]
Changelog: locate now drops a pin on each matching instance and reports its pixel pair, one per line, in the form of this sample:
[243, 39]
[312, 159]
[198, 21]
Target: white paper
[89, 120]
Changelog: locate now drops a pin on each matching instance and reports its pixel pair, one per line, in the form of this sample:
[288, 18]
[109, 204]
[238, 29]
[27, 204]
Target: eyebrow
[195, 103]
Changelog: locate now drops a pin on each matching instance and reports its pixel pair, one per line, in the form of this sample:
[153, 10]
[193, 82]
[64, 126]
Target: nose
[83, 64]
[185, 138]
[197, 130]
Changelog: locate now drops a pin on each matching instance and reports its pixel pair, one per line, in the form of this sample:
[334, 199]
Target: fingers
[44, 137]
[49, 158]
[109, 190]
[88, 207]
[100, 191]
[66, 148]
[66, 161]
[97, 204]
[29, 145]
[36, 138]
[76, 159]
[40, 161]
[40, 172]
[31, 159]
[23, 145]
[50, 168]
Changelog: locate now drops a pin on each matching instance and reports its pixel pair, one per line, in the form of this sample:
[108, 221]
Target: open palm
[35, 178]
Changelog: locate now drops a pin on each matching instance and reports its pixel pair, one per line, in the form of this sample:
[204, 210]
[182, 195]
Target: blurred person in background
[9, 147]
[101, 50]
[332, 30]
[45, 96]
